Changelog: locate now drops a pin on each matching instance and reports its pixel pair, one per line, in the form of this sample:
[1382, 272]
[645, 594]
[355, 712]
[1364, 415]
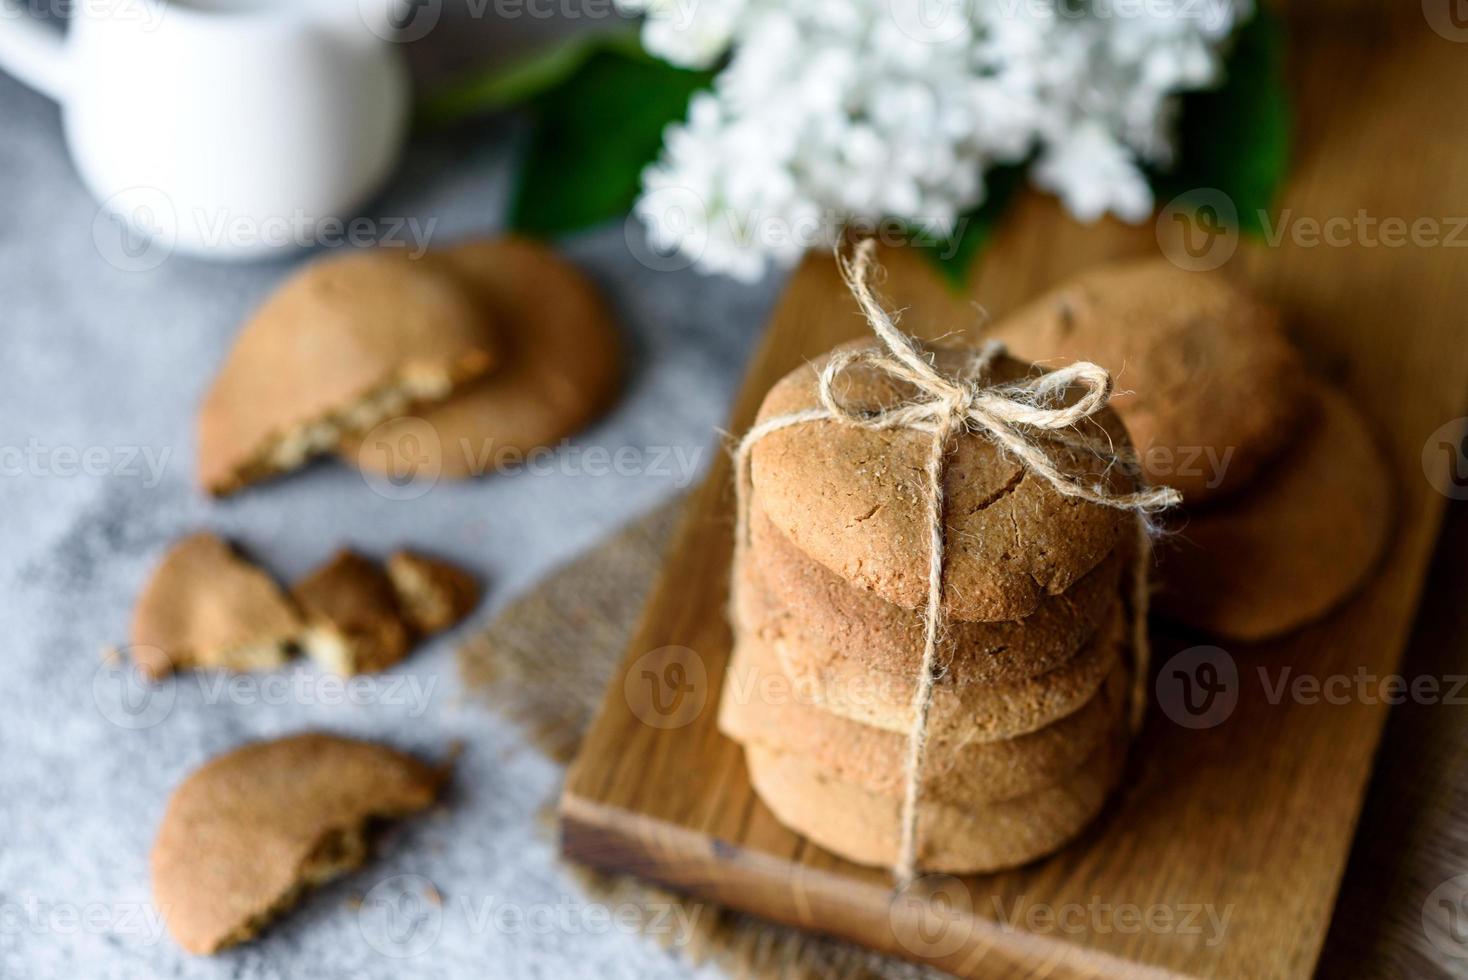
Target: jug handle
[32, 51]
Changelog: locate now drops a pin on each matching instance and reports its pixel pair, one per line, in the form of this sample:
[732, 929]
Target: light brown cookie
[205, 606]
[761, 705]
[347, 342]
[859, 825]
[248, 833]
[854, 499]
[1293, 546]
[890, 638]
[1207, 384]
[432, 594]
[354, 623]
[844, 686]
[562, 367]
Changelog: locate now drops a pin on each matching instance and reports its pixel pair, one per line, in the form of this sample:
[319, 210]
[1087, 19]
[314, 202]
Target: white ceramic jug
[232, 127]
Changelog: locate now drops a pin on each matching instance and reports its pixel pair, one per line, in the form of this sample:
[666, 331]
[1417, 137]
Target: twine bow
[1005, 413]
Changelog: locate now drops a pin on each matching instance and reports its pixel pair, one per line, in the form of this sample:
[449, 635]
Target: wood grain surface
[1251, 819]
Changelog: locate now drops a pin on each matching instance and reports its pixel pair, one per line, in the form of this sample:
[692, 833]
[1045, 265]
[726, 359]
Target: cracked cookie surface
[855, 499]
[1207, 383]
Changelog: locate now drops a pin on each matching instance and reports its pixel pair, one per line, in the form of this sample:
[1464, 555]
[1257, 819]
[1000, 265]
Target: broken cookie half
[354, 623]
[348, 342]
[206, 606]
[245, 836]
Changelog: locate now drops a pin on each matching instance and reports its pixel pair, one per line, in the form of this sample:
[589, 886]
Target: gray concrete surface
[100, 372]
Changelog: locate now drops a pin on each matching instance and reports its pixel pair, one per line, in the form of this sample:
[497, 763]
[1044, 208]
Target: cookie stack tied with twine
[939, 600]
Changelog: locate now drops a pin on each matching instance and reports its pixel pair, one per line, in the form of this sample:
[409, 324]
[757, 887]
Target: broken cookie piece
[205, 606]
[354, 625]
[433, 594]
[245, 836]
[348, 342]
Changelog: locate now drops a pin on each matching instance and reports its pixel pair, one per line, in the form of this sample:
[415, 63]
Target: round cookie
[1206, 382]
[561, 369]
[760, 704]
[862, 826]
[246, 833]
[348, 341]
[890, 638]
[854, 499]
[1297, 543]
[986, 712]
[844, 686]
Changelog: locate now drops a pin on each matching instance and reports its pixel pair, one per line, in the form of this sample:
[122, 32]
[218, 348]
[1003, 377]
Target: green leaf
[1237, 138]
[508, 86]
[954, 256]
[594, 134]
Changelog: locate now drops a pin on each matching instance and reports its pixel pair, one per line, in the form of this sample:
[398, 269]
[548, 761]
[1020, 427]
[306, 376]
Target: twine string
[945, 405]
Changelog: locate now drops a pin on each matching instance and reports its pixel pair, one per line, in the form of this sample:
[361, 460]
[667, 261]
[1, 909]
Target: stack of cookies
[1029, 714]
[1287, 503]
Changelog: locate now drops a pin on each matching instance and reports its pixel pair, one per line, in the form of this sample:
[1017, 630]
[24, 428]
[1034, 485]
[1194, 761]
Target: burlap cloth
[546, 659]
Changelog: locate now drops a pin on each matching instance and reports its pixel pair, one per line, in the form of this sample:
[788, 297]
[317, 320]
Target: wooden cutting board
[1247, 823]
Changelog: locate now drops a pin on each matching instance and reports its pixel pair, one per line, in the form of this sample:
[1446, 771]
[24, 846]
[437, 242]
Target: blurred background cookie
[1300, 540]
[206, 606]
[433, 594]
[347, 342]
[562, 365]
[354, 623]
[1286, 502]
[246, 835]
[1207, 384]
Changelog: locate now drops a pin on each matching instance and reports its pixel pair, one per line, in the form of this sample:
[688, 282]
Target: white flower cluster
[828, 111]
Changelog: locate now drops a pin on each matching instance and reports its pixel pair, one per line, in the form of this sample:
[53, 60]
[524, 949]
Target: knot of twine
[1005, 413]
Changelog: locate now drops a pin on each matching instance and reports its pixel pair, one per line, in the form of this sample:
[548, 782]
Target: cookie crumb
[434, 594]
[354, 623]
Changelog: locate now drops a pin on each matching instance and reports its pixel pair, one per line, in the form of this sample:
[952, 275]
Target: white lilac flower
[830, 111]
[1093, 173]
